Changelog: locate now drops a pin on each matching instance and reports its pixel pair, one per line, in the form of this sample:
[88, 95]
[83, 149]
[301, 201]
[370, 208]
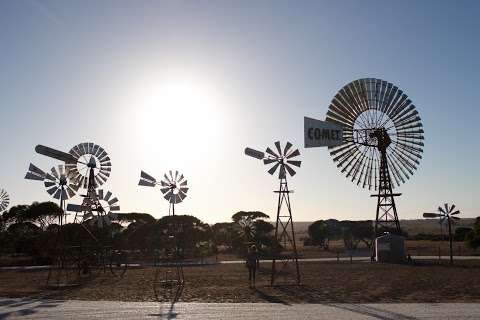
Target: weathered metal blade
[291, 172]
[146, 176]
[146, 183]
[36, 170]
[279, 149]
[287, 148]
[294, 162]
[75, 207]
[107, 196]
[293, 154]
[454, 213]
[270, 151]
[32, 176]
[254, 153]
[113, 201]
[269, 160]
[274, 168]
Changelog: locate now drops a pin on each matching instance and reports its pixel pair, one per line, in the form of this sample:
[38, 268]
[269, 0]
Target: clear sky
[189, 84]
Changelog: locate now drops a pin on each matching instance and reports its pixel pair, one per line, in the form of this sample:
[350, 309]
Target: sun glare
[180, 112]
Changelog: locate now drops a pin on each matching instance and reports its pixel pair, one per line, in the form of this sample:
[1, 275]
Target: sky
[187, 85]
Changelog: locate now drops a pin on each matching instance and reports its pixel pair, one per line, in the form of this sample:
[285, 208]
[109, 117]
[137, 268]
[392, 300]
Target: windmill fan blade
[184, 190]
[36, 170]
[64, 194]
[454, 213]
[441, 210]
[291, 172]
[446, 208]
[431, 215]
[31, 176]
[274, 168]
[269, 160]
[56, 154]
[100, 194]
[279, 150]
[451, 208]
[181, 178]
[294, 162]
[287, 147]
[113, 201]
[115, 208]
[176, 175]
[146, 183]
[52, 190]
[270, 151]
[61, 169]
[146, 176]
[107, 196]
[171, 175]
[293, 154]
[184, 183]
[164, 190]
[166, 178]
[182, 195]
[57, 194]
[455, 218]
[70, 192]
[164, 184]
[48, 184]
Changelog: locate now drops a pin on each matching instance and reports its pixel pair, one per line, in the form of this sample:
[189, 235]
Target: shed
[390, 248]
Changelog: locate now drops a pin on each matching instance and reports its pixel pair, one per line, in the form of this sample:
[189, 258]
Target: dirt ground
[322, 282]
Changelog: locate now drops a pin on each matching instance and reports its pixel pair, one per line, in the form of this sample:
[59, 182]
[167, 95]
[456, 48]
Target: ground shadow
[371, 311]
[25, 306]
[269, 298]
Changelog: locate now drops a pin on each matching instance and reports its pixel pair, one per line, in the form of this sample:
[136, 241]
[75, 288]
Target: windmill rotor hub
[92, 163]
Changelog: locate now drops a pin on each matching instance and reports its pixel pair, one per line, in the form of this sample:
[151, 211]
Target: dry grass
[323, 282]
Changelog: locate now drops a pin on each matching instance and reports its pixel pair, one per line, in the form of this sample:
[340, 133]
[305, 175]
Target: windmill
[282, 161]
[89, 166]
[446, 214]
[174, 187]
[4, 200]
[58, 184]
[375, 136]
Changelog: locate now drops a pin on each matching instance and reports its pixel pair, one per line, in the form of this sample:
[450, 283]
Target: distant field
[412, 227]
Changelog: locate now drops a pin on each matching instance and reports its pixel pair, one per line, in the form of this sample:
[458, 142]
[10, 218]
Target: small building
[390, 248]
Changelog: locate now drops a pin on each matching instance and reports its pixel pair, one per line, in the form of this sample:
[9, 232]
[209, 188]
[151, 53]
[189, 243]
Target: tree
[461, 233]
[473, 237]
[252, 229]
[318, 233]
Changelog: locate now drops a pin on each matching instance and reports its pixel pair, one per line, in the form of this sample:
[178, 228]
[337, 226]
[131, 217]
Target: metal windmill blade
[4, 200]
[146, 180]
[374, 113]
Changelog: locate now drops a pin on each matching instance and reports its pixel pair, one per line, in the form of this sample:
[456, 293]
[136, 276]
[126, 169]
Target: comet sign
[321, 133]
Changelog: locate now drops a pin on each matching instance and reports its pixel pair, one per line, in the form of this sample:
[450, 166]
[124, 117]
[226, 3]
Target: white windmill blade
[254, 153]
[146, 176]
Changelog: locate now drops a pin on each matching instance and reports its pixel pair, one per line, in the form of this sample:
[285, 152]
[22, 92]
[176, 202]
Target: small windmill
[58, 184]
[173, 187]
[4, 200]
[446, 214]
[282, 161]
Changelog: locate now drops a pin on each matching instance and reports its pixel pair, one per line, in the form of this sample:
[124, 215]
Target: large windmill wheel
[377, 118]
[4, 200]
[91, 159]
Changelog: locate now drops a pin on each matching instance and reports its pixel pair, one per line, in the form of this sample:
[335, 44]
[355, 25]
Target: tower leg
[283, 238]
[386, 216]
